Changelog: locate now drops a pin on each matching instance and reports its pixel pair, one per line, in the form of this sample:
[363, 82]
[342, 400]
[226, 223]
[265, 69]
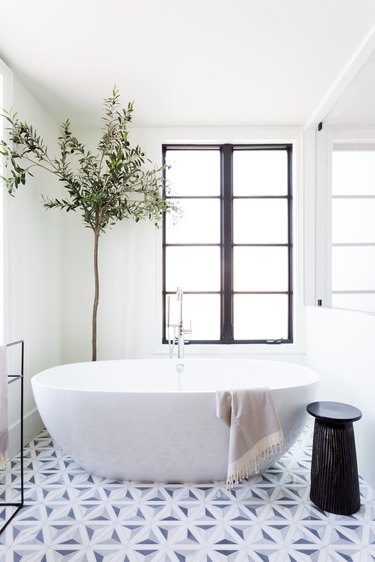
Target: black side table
[334, 473]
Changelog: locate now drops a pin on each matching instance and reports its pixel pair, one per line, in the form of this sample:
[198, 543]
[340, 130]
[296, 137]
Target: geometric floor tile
[70, 515]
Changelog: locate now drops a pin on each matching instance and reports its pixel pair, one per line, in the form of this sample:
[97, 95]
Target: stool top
[334, 411]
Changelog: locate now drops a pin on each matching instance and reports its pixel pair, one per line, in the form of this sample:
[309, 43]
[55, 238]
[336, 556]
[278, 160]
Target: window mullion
[227, 243]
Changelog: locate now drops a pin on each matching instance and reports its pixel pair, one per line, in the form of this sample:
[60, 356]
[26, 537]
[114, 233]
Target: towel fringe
[253, 467]
[4, 458]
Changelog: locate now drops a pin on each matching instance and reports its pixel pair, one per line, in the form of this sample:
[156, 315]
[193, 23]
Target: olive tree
[114, 183]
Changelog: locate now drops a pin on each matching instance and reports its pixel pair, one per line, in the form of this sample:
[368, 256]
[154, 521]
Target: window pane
[260, 221]
[204, 313]
[193, 172]
[260, 269]
[353, 220]
[353, 172]
[260, 317]
[193, 269]
[200, 222]
[260, 172]
[353, 268]
[364, 302]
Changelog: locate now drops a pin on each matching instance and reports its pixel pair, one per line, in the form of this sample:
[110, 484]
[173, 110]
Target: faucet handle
[189, 329]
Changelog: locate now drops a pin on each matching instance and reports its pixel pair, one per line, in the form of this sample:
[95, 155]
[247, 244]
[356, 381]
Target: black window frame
[226, 239]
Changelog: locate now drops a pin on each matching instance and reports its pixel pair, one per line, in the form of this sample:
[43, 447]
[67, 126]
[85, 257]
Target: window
[353, 227]
[231, 251]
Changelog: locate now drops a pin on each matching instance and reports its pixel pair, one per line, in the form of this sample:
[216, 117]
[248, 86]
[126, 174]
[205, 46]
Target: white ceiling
[356, 106]
[184, 63]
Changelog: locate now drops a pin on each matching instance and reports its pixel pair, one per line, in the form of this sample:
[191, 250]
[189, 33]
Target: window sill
[234, 350]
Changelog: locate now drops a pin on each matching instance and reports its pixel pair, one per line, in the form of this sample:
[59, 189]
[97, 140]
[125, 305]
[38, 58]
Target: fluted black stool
[334, 472]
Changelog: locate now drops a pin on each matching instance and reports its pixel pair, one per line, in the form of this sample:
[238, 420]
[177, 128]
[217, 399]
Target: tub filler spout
[179, 331]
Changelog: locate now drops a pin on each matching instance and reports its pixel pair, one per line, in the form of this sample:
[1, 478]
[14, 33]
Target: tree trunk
[96, 294]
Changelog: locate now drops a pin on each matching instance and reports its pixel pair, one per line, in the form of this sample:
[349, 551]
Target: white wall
[128, 254]
[126, 316]
[32, 267]
[129, 318]
[340, 347]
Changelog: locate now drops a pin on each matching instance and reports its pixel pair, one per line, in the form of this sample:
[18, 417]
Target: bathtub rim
[314, 377]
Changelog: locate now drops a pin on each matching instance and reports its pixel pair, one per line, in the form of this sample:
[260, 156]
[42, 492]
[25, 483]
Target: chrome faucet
[179, 331]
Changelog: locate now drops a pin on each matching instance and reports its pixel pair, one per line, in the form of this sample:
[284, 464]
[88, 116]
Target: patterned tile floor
[70, 515]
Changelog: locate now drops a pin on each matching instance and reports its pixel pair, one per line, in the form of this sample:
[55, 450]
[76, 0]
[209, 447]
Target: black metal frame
[11, 379]
[226, 243]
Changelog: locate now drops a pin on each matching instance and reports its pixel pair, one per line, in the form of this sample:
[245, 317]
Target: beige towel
[255, 431]
[3, 407]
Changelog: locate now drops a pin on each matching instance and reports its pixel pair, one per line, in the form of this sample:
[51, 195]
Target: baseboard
[32, 425]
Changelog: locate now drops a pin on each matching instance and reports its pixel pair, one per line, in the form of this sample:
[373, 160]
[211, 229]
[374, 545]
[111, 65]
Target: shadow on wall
[340, 347]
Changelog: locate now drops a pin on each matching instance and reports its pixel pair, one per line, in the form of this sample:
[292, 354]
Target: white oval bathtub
[155, 419]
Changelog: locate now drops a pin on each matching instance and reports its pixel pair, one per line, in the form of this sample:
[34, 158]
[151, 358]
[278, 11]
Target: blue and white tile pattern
[72, 516]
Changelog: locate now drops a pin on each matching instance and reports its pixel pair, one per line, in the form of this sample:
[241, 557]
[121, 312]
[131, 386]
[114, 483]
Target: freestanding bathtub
[155, 419]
